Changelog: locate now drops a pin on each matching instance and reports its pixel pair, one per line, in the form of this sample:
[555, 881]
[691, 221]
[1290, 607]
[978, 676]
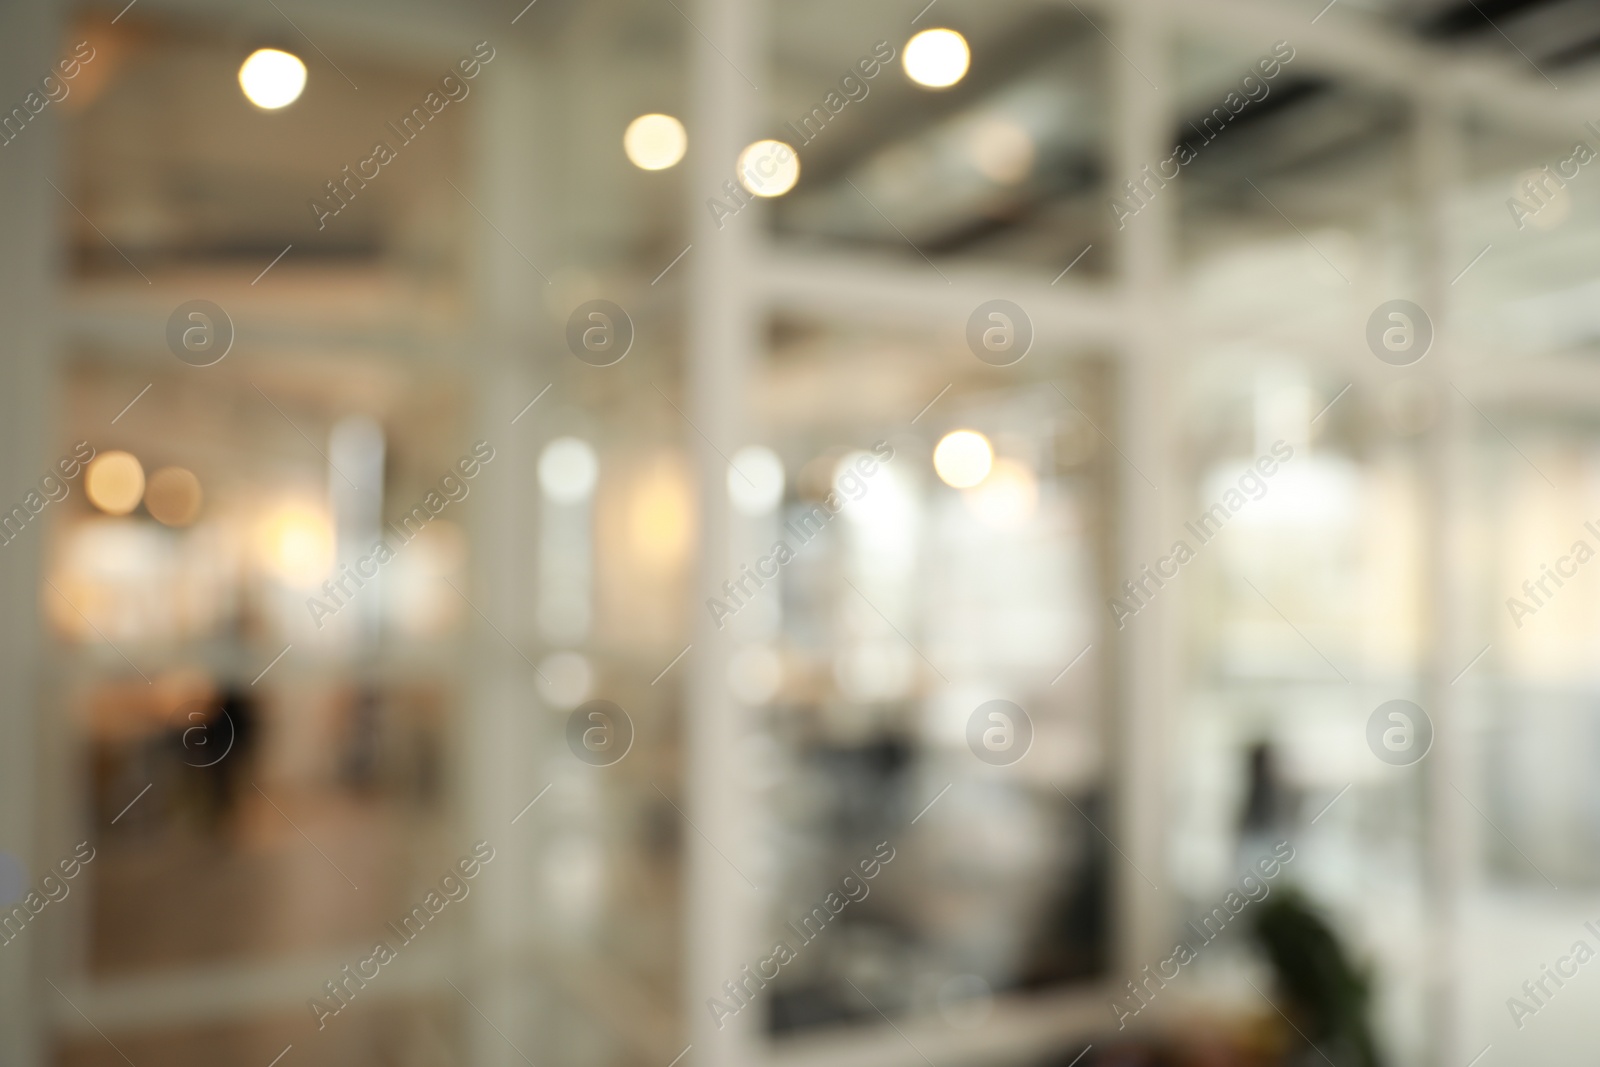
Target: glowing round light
[768, 168]
[296, 543]
[568, 469]
[272, 79]
[173, 496]
[937, 59]
[114, 482]
[654, 142]
[755, 480]
[1002, 151]
[962, 458]
[1007, 498]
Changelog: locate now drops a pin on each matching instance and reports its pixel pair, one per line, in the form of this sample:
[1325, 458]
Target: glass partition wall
[907, 708]
[1337, 569]
[824, 672]
[871, 657]
[362, 538]
[1527, 352]
[1305, 494]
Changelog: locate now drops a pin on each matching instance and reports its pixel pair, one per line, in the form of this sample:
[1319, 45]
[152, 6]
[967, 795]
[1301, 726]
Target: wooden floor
[256, 887]
[420, 1034]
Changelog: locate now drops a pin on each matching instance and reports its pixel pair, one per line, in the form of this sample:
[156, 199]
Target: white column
[1437, 163]
[504, 744]
[722, 916]
[30, 36]
[1141, 79]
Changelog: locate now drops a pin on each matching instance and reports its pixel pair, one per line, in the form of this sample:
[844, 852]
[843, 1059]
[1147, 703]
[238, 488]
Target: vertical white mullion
[1140, 81]
[501, 760]
[724, 316]
[1437, 168]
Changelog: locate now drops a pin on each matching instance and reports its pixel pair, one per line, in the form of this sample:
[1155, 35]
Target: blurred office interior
[578, 350]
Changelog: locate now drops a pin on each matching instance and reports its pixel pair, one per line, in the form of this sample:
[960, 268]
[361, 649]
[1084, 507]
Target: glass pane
[1305, 509]
[1006, 166]
[929, 673]
[1529, 831]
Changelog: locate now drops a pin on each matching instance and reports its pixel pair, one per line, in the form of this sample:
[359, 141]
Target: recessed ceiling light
[272, 79]
[769, 168]
[115, 482]
[963, 458]
[654, 142]
[937, 59]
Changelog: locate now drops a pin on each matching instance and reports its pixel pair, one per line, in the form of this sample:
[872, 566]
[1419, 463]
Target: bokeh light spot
[272, 79]
[654, 142]
[768, 168]
[962, 458]
[937, 59]
[173, 496]
[114, 482]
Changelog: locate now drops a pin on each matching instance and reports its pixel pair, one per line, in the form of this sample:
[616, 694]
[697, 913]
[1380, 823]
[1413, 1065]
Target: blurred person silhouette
[1269, 805]
[217, 738]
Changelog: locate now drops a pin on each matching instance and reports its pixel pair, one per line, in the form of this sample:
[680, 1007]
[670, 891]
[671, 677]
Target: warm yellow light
[654, 142]
[937, 59]
[769, 168]
[114, 482]
[661, 516]
[272, 79]
[1007, 498]
[297, 544]
[173, 496]
[962, 458]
